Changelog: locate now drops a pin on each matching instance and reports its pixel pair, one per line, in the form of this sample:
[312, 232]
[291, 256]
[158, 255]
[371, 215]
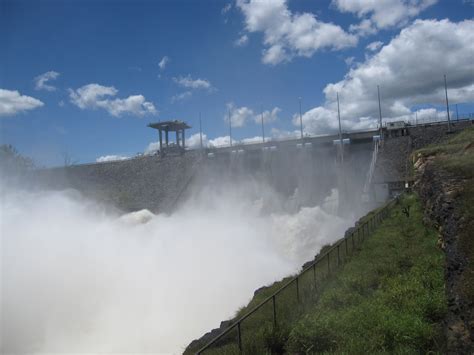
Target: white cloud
[283, 134]
[363, 28]
[182, 96]
[287, 35]
[382, 14]
[152, 148]
[238, 115]
[409, 70]
[425, 115]
[41, 81]
[220, 141]
[256, 139]
[321, 120]
[12, 102]
[374, 46]
[190, 83]
[95, 96]
[241, 41]
[107, 158]
[194, 141]
[349, 61]
[163, 62]
[268, 116]
[226, 8]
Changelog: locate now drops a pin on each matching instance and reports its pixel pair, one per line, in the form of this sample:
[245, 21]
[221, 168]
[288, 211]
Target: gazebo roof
[172, 126]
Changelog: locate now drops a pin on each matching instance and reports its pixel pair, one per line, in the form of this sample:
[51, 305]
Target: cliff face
[444, 180]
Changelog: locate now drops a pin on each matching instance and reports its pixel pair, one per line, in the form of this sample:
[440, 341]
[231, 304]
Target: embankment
[444, 179]
[151, 182]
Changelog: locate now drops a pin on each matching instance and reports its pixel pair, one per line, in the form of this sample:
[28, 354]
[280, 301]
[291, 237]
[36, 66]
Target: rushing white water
[78, 279]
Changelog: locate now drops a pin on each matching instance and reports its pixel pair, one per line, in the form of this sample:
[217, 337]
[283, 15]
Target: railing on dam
[300, 289]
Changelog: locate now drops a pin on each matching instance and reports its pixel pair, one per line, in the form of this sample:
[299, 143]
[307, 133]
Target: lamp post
[230, 128]
[301, 120]
[200, 130]
[447, 103]
[380, 114]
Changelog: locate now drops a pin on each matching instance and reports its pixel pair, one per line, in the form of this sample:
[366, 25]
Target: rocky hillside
[444, 179]
[393, 162]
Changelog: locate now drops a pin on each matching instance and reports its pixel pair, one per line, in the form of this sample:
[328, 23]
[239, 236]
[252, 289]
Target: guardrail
[324, 264]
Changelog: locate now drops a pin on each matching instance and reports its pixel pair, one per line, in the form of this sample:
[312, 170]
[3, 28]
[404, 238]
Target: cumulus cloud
[409, 70]
[383, 13]
[41, 81]
[194, 141]
[189, 83]
[241, 41]
[163, 62]
[182, 96]
[251, 140]
[107, 158]
[12, 102]
[152, 148]
[220, 141]
[349, 61]
[374, 46]
[226, 8]
[363, 28]
[284, 134]
[268, 116]
[287, 35]
[321, 120]
[238, 115]
[95, 96]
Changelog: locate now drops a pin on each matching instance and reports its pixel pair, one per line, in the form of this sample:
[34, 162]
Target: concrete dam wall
[305, 174]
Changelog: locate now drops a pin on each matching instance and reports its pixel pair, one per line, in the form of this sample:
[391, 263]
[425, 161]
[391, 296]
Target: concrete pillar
[166, 137]
[177, 138]
[161, 140]
[184, 140]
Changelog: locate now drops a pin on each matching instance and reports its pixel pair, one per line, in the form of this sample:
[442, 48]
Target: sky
[80, 80]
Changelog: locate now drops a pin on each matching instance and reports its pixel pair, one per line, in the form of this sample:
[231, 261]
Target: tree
[12, 162]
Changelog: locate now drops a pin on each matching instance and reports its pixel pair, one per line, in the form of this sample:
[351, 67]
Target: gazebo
[171, 126]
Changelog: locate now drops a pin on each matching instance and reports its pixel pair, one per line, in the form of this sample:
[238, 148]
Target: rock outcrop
[440, 191]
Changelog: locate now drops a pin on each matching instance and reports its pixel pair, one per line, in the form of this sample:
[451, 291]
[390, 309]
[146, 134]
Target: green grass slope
[387, 297]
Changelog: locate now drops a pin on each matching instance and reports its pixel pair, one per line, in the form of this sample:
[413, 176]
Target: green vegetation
[455, 155]
[456, 158]
[388, 297]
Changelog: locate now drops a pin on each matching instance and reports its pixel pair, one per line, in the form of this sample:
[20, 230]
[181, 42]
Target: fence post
[314, 275]
[338, 256]
[297, 289]
[239, 337]
[329, 267]
[274, 313]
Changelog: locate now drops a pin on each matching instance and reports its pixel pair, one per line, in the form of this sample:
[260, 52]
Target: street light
[301, 120]
[447, 103]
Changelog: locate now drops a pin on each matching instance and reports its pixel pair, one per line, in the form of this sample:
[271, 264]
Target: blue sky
[82, 78]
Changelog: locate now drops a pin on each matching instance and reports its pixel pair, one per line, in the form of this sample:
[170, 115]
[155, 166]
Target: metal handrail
[369, 223]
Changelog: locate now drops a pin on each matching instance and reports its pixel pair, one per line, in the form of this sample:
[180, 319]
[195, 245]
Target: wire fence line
[300, 288]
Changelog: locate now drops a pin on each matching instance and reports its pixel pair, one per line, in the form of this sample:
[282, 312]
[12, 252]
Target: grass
[388, 297]
[456, 157]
